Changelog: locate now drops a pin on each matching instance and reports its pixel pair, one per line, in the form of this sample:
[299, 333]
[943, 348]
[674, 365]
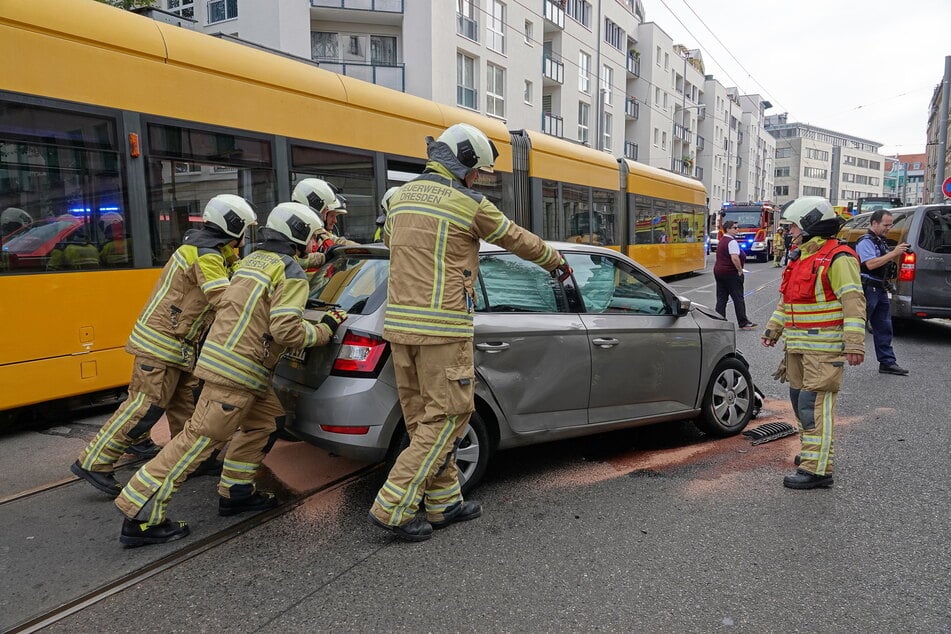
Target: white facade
[755, 150]
[589, 71]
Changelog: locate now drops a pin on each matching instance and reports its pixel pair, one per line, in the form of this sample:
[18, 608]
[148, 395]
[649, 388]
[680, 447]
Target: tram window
[577, 211]
[554, 228]
[651, 223]
[62, 201]
[605, 210]
[178, 193]
[352, 173]
[499, 187]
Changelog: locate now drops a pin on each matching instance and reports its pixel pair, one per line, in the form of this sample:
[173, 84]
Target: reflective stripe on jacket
[182, 302]
[259, 317]
[433, 230]
[822, 306]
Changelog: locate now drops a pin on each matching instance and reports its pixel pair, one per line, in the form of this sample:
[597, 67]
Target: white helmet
[471, 146]
[385, 201]
[112, 225]
[814, 215]
[319, 195]
[295, 221]
[232, 214]
[14, 218]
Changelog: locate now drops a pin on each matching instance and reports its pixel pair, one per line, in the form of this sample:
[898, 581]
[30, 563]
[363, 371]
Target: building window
[657, 57]
[529, 33]
[584, 113]
[466, 23]
[607, 79]
[221, 10]
[613, 34]
[821, 155]
[815, 172]
[781, 190]
[579, 11]
[324, 46]
[527, 95]
[814, 191]
[782, 171]
[784, 152]
[466, 94]
[656, 96]
[663, 140]
[584, 72]
[607, 132]
[495, 27]
[495, 90]
[184, 8]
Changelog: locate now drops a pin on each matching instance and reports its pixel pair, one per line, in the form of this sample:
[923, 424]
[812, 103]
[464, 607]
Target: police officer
[433, 230]
[878, 266]
[326, 199]
[821, 316]
[259, 318]
[384, 208]
[165, 336]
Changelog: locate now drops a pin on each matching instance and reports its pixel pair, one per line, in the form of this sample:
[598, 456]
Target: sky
[862, 67]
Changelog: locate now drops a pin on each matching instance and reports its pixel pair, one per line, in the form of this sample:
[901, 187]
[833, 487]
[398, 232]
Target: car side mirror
[683, 306]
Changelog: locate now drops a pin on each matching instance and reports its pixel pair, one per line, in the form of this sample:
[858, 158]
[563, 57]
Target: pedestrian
[324, 198]
[259, 318]
[433, 230]
[779, 243]
[728, 273]
[879, 266]
[787, 245]
[384, 208]
[165, 338]
[821, 318]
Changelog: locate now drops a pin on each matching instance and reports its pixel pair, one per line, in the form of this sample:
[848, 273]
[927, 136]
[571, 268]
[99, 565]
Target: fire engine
[755, 222]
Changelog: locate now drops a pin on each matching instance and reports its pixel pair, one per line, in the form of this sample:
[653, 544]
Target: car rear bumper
[342, 402]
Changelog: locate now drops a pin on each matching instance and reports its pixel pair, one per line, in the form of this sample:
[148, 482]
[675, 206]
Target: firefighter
[384, 209]
[433, 230]
[821, 317]
[326, 199]
[260, 317]
[779, 243]
[165, 337]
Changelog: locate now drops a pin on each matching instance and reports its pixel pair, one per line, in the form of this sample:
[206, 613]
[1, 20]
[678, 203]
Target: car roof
[379, 249]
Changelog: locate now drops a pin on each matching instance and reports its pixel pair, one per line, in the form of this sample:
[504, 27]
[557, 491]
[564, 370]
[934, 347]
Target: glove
[562, 272]
[333, 318]
[325, 246]
[780, 373]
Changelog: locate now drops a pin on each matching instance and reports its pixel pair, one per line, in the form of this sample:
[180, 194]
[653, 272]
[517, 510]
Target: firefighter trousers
[156, 388]
[222, 413]
[814, 381]
[436, 386]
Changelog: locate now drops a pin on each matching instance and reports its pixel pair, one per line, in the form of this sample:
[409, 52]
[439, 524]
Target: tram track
[50, 486]
[193, 549]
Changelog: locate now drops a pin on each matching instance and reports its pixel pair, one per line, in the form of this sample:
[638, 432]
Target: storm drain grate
[769, 431]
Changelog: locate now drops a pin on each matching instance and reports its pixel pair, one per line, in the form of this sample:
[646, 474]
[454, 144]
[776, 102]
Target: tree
[129, 4]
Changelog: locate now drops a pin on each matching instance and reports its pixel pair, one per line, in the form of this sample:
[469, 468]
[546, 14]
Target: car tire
[729, 400]
[472, 458]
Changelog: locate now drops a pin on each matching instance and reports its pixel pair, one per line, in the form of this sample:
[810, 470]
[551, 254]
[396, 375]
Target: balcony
[678, 166]
[389, 6]
[681, 132]
[467, 27]
[632, 109]
[630, 150]
[391, 76]
[553, 124]
[467, 97]
[553, 70]
[634, 65]
[701, 143]
[554, 12]
[698, 173]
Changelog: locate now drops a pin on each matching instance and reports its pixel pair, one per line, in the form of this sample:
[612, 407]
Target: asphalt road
[655, 529]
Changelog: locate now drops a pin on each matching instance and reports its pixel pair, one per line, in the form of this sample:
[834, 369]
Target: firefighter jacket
[433, 230]
[183, 301]
[822, 308]
[260, 316]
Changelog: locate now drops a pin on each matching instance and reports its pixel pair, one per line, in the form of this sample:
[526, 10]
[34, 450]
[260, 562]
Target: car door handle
[605, 342]
[492, 348]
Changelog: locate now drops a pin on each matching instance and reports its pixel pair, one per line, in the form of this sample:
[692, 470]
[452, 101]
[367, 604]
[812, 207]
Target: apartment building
[905, 178]
[934, 161]
[592, 72]
[813, 161]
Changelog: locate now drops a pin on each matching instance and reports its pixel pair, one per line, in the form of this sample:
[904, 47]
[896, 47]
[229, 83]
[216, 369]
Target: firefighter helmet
[295, 221]
[471, 146]
[814, 215]
[13, 219]
[232, 214]
[318, 194]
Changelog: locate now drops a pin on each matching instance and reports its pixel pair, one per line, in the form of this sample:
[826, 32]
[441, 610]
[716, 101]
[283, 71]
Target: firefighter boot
[415, 530]
[257, 501]
[805, 480]
[144, 449]
[135, 534]
[105, 481]
[459, 512]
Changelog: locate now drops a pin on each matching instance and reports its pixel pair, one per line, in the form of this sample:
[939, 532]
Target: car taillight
[360, 355]
[340, 429]
[907, 271]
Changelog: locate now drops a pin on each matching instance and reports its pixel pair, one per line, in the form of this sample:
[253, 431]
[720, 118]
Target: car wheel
[472, 458]
[729, 401]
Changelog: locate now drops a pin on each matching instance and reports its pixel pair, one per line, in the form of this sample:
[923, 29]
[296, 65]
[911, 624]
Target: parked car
[922, 279]
[611, 347]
